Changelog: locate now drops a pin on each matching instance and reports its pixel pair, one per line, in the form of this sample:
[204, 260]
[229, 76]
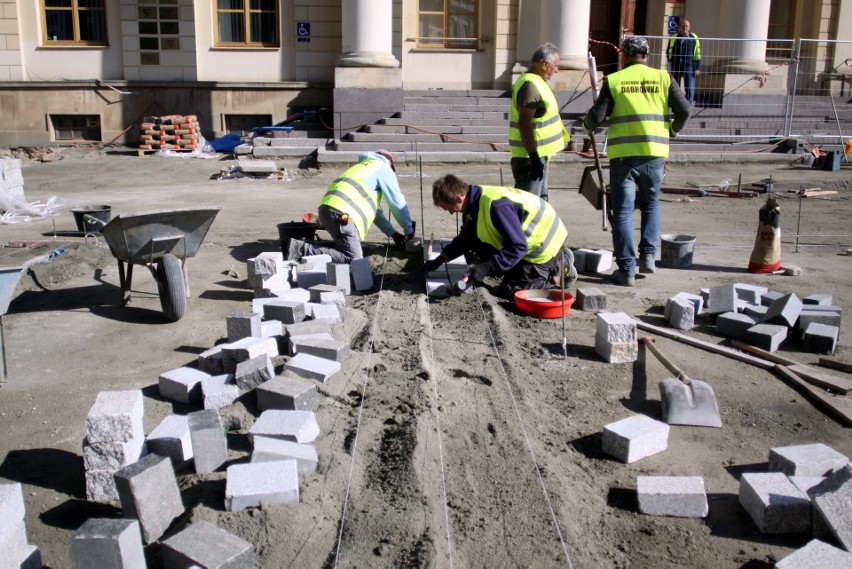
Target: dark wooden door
[606, 21]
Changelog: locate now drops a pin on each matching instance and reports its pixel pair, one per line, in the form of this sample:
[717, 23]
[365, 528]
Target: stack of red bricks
[170, 132]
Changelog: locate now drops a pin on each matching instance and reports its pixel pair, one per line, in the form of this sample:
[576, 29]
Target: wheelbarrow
[161, 241]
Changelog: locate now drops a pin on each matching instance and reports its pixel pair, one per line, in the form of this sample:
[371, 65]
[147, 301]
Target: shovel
[685, 401]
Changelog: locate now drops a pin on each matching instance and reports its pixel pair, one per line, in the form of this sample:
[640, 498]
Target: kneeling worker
[351, 206]
[519, 234]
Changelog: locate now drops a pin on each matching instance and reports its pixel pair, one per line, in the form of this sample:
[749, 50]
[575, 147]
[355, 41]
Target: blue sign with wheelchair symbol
[303, 32]
[674, 25]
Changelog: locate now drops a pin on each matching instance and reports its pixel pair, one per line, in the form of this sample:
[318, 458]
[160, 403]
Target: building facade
[89, 70]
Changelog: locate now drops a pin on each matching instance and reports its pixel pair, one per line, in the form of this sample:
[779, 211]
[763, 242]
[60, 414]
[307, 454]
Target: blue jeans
[635, 182]
[688, 76]
[521, 173]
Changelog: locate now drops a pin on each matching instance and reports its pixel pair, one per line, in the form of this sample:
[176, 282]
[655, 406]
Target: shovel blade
[693, 404]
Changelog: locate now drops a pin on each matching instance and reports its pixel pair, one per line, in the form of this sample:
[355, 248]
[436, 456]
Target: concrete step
[445, 129]
[453, 121]
[467, 115]
[410, 146]
[502, 138]
[442, 93]
[290, 142]
[492, 101]
[453, 109]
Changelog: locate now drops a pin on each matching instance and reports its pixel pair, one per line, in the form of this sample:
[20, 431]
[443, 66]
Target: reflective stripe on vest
[639, 124]
[348, 194]
[550, 134]
[543, 229]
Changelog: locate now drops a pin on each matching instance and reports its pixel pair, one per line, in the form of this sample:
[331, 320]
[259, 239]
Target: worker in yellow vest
[352, 205]
[511, 232]
[536, 131]
[637, 101]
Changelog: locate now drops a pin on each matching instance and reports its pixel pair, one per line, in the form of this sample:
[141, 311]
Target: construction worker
[514, 233]
[637, 100]
[536, 131]
[684, 56]
[351, 206]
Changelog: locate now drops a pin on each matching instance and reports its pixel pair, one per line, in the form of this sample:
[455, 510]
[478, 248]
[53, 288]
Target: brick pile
[170, 132]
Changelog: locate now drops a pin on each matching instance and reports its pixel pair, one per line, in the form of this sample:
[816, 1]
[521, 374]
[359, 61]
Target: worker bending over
[352, 204]
[514, 234]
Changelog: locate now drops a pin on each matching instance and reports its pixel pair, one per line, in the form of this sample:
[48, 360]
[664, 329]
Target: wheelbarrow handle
[670, 365]
[92, 219]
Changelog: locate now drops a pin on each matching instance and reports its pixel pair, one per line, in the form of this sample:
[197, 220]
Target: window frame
[247, 12]
[447, 42]
[76, 11]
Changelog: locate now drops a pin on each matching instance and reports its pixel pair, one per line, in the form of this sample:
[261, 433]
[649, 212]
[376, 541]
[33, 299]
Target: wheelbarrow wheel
[172, 287]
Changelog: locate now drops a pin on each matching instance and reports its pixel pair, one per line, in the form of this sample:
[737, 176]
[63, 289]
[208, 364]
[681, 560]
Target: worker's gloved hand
[398, 239]
[479, 272]
[432, 265]
[536, 167]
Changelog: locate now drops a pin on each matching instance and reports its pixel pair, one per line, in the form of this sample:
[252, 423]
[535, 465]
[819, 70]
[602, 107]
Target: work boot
[621, 278]
[646, 263]
[294, 249]
[569, 275]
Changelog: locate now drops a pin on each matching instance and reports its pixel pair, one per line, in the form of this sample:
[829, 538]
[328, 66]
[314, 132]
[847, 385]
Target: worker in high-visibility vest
[684, 57]
[637, 100]
[536, 131]
[352, 205]
[512, 233]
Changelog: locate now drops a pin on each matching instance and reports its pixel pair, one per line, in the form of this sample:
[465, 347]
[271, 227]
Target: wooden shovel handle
[671, 366]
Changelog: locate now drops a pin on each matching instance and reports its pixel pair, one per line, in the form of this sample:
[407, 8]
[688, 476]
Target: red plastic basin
[543, 303]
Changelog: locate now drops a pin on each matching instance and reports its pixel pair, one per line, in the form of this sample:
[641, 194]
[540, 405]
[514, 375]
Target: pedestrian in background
[536, 131]
[513, 234]
[637, 101]
[684, 56]
[351, 206]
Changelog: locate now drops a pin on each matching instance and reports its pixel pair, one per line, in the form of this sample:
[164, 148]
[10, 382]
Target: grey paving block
[598, 261]
[328, 294]
[267, 449]
[696, 300]
[580, 259]
[815, 459]
[203, 544]
[210, 361]
[107, 542]
[149, 493]
[784, 311]
[774, 503]
[329, 313]
[242, 325]
[287, 394]
[750, 293]
[251, 373]
[182, 384]
[722, 299]
[821, 338]
[272, 329]
[296, 426]
[590, 298]
[13, 542]
[805, 483]
[767, 337]
[312, 277]
[758, 312]
[266, 287]
[821, 299]
[246, 349]
[633, 438]
[31, 558]
[220, 391]
[209, 446]
[317, 261]
[816, 554]
[832, 501]
[311, 367]
[249, 485]
[734, 324]
[287, 311]
[171, 438]
[681, 313]
[769, 297]
[115, 416]
[324, 348]
[307, 327]
[678, 496]
[616, 352]
[294, 342]
[362, 274]
[615, 327]
[112, 455]
[337, 274]
[100, 486]
[12, 509]
[826, 317]
[293, 295]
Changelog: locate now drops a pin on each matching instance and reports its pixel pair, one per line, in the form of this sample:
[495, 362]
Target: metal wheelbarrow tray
[161, 241]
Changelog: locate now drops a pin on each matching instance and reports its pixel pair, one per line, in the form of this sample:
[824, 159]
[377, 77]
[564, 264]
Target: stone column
[747, 19]
[529, 20]
[367, 34]
[566, 24]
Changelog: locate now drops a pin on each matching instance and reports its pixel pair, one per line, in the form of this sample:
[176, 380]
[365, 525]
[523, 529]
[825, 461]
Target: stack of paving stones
[115, 438]
[14, 549]
[438, 281]
[170, 132]
[805, 489]
[11, 179]
[592, 261]
[763, 318]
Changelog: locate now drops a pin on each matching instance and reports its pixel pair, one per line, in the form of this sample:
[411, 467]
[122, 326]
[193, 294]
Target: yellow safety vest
[550, 134]
[349, 194]
[544, 230]
[639, 123]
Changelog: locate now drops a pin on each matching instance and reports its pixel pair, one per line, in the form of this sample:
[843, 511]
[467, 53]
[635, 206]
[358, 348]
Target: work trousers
[635, 183]
[521, 173]
[347, 245]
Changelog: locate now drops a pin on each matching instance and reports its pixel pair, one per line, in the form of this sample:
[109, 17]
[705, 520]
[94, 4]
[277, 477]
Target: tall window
[74, 22]
[780, 28]
[448, 23]
[247, 23]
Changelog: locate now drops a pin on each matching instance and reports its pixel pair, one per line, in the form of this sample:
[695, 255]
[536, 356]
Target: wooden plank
[777, 358]
[826, 380]
[834, 364]
[819, 193]
[838, 405]
[710, 347]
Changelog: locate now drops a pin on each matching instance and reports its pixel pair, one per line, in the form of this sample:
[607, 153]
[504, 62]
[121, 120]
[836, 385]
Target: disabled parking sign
[303, 32]
[673, 25]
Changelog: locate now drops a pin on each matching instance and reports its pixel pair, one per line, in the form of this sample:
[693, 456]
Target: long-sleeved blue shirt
[506, 218]
[384, 181]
